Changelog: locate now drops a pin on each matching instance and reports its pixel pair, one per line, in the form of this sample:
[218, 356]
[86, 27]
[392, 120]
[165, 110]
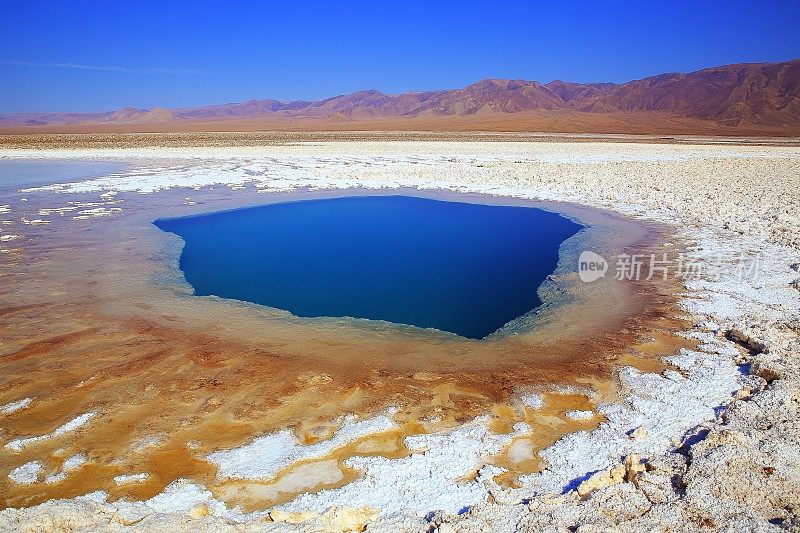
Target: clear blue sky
[63, 55]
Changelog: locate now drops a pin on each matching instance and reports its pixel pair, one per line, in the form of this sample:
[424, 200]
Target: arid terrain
[745, 99]
[127, 403]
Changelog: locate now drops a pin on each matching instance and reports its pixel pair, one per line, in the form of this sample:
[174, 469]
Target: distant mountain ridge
[761, 95]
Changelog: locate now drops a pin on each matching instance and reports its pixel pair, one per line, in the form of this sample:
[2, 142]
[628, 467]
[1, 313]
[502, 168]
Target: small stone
[638, 433]
[743, 393]
[747, 341]
[633, 466]
[764, 370]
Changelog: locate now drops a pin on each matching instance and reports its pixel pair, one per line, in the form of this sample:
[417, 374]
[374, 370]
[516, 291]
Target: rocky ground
[731, 463]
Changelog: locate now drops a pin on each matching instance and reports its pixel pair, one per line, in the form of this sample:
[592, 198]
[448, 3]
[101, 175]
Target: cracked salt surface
[283, 169]
[265, 456]
[666, 407]
[431, 478]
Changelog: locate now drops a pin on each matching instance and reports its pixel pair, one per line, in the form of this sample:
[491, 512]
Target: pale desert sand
[710, 443]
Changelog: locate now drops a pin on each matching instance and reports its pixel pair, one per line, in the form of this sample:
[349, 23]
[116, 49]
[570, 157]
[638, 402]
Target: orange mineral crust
[96, 321]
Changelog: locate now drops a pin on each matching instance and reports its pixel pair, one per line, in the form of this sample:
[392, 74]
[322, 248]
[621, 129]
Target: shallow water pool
[463, 268]
[29, 172]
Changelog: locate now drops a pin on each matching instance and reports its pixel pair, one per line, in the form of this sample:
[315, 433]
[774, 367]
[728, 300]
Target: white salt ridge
[74, 462]
[47, 211]
[579, 415]
[180, 496]
[71, 464]
[17, 445]
[13, 407]
[96, 212]
[265, 456]
[26, 474]
[131, 478]
[428, 479]
[144, 443]
[572, 389]
[34, 222]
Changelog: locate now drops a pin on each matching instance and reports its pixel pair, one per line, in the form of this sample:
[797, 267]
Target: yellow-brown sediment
[92, 332]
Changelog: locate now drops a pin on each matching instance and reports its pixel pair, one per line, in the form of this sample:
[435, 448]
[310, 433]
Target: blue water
[23, 172]
[463, 268]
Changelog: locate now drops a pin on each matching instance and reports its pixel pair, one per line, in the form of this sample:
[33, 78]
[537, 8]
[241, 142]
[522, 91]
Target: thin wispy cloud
[79, 66]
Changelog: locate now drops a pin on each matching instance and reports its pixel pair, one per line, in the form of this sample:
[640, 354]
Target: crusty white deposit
[711, 443]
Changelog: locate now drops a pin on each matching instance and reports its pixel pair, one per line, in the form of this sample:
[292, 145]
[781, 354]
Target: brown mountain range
[759, 98]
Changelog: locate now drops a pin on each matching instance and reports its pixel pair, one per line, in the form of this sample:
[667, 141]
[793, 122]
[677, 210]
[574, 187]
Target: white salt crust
[534, 401]
[13, 407]
[579, 415]
[265, 456]
[755, 213]
[124, 479]
[26, 474]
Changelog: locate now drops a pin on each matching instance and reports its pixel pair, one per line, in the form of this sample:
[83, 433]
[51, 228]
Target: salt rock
[633, 466]
[292, 517]
[335, 519]
[747, 339]
[605, 478]
[348, 518]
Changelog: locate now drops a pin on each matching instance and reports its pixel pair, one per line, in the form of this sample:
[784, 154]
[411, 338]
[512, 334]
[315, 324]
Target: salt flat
[710, 441]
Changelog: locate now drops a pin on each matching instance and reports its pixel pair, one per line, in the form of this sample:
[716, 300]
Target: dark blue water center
[463, 268]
